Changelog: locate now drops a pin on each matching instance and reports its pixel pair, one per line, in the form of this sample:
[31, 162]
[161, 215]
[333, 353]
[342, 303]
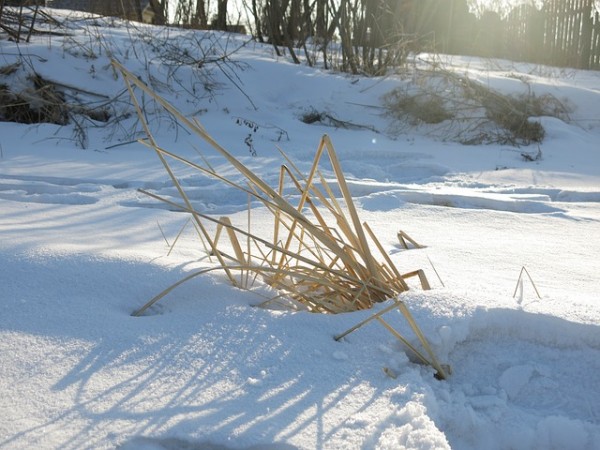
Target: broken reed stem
[436, 272]
[523, 269]
[403, 237]
[403, 340]
[171, 247]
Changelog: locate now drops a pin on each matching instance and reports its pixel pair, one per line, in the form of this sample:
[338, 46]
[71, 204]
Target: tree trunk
[221, 15]
[200, 20]
[257, 21]
[159, 11]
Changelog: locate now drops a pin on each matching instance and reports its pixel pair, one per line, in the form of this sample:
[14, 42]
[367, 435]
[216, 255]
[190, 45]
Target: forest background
[375, 35]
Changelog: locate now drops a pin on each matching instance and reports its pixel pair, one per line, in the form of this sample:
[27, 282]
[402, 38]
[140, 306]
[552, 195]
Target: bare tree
[159, 7]
[200, 20]
[221, 22]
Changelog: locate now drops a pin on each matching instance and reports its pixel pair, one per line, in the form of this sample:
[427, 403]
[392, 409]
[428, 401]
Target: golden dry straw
[328, 262]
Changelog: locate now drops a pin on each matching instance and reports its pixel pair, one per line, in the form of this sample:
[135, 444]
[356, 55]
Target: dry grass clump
[40, 102]
[454, 107]
[30, 98]
[321, 257]
[417, 108]
[512, 113]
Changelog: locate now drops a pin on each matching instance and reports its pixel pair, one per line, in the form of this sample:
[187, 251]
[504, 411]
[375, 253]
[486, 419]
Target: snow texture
[81, 248]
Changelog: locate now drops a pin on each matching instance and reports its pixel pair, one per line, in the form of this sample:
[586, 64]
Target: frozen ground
[81, 248]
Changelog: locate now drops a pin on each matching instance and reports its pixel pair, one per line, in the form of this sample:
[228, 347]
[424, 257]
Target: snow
[81, 249]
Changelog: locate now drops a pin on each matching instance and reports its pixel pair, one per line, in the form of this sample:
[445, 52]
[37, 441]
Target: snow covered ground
[81, 248]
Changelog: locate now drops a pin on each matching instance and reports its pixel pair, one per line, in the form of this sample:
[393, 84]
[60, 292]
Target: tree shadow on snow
[205, 365]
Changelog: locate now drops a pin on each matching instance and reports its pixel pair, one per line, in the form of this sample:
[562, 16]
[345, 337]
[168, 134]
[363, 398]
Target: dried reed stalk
[325, 268]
